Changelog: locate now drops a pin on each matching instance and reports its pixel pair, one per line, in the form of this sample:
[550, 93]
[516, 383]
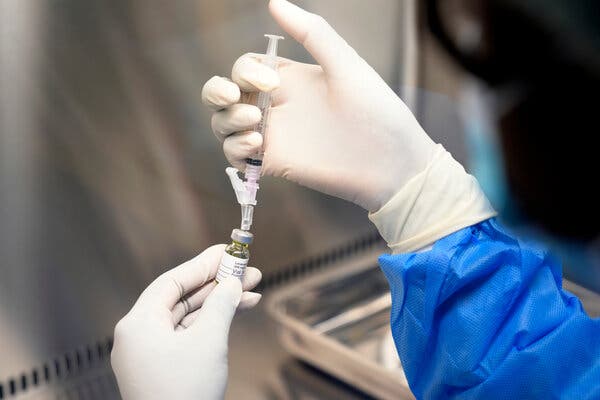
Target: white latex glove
[335, 127]
[173, 342]
[338, 128]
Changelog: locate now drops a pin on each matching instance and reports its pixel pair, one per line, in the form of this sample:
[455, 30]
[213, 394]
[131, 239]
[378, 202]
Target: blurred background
[109, 173]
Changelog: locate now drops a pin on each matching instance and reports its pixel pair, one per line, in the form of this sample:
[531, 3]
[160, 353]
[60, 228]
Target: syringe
[254, 164]
[246, 191]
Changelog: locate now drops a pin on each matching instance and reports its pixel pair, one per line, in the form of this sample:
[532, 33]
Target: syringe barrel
[263, 101]
[264, 105]
[252, 173]
[264, 98]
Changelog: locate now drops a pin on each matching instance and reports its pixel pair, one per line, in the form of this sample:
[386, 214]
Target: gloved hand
[173, 342]
[338, 128]
[335, 127]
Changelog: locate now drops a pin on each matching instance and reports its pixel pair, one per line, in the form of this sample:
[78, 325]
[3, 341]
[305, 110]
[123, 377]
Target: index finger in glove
[247, 301]
[219, 308]
[238, 117]
[173, 285]
[194, 300]
[219, 93]
[253, 76]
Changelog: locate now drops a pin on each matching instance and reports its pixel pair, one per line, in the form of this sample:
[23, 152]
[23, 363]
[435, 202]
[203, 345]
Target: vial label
[231, 265]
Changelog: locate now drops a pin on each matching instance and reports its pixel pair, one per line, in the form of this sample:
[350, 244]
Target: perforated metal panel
[84, 373]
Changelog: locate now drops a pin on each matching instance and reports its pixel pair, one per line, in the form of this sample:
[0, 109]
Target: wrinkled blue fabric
[483, 315]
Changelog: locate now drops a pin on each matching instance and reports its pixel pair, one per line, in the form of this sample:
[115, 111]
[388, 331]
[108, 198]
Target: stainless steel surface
[260, 368]
[590, 300]
[354, 314]
[339, 321]
[109, 174]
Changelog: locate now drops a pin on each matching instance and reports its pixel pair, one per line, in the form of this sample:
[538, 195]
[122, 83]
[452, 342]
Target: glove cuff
[438, 201]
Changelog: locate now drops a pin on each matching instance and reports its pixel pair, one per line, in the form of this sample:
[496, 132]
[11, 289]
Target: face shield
[534, 89]
[528, 121]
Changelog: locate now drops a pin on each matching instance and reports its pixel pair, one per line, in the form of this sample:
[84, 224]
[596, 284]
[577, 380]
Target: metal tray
[338, 321]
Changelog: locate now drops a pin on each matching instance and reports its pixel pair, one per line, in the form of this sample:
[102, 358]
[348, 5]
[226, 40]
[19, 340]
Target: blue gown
[483, 315]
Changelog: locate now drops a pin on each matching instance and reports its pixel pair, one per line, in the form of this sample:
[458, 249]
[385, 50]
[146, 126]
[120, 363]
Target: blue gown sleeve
[483, 315]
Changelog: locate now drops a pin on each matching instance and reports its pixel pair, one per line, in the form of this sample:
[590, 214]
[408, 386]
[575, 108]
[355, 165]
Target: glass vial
[236, 255]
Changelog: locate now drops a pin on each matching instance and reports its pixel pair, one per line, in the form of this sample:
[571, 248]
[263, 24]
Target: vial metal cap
[242, 236]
